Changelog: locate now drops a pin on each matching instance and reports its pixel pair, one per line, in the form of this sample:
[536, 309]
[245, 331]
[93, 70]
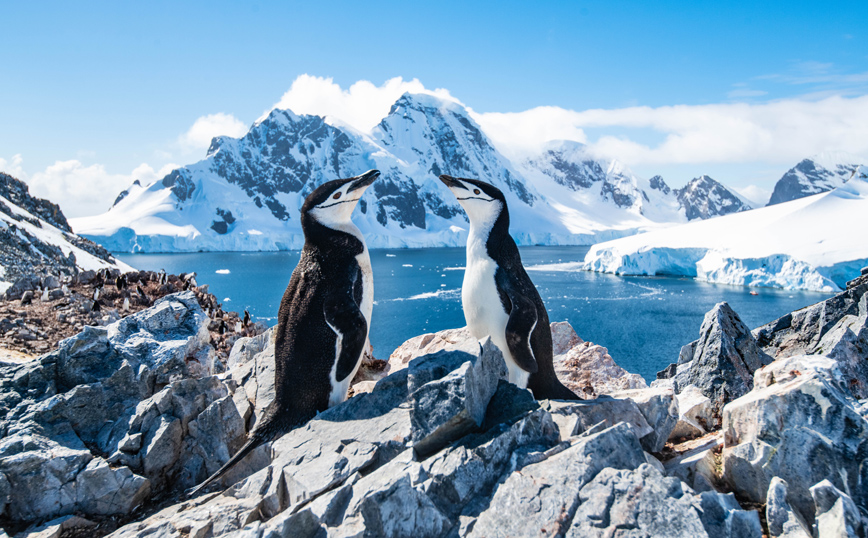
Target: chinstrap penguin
[324, 316]
[498, 297]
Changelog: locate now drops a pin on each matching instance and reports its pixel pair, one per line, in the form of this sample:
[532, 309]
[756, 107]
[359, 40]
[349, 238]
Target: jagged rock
[836, 328]
[722, 362]
[696, 415]
[428, 344]
[649, 504]
[802, 430]
[446, 409]
[697, 466]
[57, 527]
[60, 414]
[576, 417]
[588, 370]
[564, 337]
[782, 521]
[836, 513]
[660, 409]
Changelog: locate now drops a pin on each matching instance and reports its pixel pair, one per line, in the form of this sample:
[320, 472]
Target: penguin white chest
[484, 312]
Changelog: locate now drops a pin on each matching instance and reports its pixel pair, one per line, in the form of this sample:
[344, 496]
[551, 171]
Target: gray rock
[836, 328]
[696, 415]
[696, 467]
[803, 431]
[544, 496]
[722, 362]
[649, 504]
[56, 527]
[782, 521]
[660, 409]
[575, 417]
[447, 408]
[836, 513]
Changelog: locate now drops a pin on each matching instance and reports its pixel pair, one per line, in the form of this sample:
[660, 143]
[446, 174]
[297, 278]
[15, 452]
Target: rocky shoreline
[750, 433]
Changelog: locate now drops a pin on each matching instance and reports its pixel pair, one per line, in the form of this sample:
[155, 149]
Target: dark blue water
[643, 321]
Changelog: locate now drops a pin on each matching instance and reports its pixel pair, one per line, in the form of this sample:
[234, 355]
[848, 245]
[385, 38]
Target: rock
[722, 362]
[836, 328]
[782, 521]
[564, 337]
[803, 431]
[57, 527]
[576, 417]
[836, 513]
[696, 415]
[447, 408]
[787, 368]
[648, 504]
[428, 344]
[697, 466]
[544, 496]
[95, 396]
[660, 409]
[588, 370]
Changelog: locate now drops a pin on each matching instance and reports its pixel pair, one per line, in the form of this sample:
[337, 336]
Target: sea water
[643, 321]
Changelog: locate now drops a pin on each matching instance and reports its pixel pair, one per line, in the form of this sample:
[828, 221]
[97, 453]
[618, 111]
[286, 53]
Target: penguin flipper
[347, 321]
[522, 321]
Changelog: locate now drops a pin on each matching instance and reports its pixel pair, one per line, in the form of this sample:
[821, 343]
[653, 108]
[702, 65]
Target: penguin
[246, 319]
[95, 307]
[498, 297]
[324, 316]
[222, 327]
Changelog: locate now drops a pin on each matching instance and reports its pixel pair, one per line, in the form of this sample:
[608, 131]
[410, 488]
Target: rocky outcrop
[836, 328]
[721, 363]
[802, 430]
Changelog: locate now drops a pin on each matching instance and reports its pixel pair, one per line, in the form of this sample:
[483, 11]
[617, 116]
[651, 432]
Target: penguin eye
[337, 195]
[475, 191]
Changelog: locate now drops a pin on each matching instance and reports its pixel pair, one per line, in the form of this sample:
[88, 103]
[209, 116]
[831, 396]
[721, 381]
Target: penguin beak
[362, 181]
[451, 182]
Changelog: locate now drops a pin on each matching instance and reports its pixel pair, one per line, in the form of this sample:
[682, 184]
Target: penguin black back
[323, 318]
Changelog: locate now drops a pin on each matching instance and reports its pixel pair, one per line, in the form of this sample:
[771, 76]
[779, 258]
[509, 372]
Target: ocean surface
[643, 321]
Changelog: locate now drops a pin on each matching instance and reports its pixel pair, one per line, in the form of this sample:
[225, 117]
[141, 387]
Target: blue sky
[113, 86]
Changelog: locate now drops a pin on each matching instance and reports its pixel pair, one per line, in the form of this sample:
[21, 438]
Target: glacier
[811, 243]
[245, 195]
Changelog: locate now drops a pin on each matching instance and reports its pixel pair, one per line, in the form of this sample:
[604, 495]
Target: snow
[53, 236]
[812, 243]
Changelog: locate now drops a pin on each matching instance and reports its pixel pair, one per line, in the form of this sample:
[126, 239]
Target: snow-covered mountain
[703, 198]
[820, 173]
[812, 243]
[35, 238]
[246, 193]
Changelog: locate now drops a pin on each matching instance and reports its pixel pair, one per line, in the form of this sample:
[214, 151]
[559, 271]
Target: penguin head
[332, 203]
[481, 201]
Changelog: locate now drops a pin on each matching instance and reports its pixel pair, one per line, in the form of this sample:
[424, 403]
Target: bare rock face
[782, 521]
[696, 414]
[836, 328]
[802, 430]
[588, 370]
[427, 344]
[660, 408]
[722, 362]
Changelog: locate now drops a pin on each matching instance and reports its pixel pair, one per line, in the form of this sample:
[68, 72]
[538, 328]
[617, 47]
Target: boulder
[836, 514]
[648, 504]
[722, 362]
[428, 344]
[660, 409]
[56, 528]
[836, 328]
[588, 370]
[447, 408]
[576, 417]
[564, 337]
[802, 430]
[696, 416]
[782, 520]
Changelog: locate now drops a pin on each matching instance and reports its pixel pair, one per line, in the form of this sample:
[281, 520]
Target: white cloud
[199, 135]
[757, 196]
[84, 190]
[13, 167]
[784, 131]
[361, 106]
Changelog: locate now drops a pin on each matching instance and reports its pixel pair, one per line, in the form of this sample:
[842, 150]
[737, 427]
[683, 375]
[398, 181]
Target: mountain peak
[819, 173]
